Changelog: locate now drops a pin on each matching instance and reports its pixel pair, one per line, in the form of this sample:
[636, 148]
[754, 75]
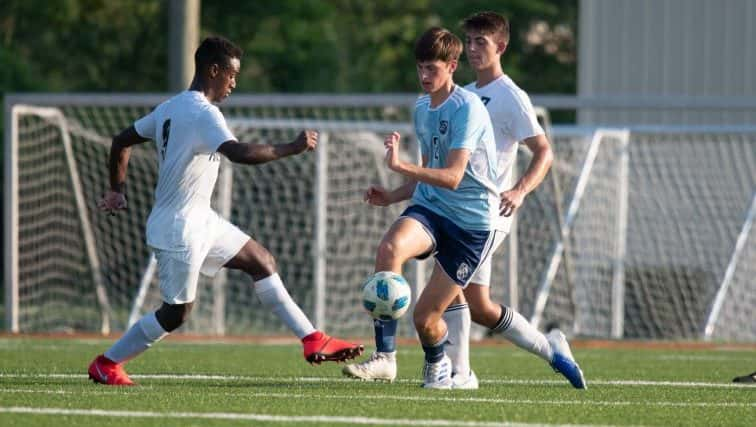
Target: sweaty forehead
[234, 64]
[472, 35]
[435, 63]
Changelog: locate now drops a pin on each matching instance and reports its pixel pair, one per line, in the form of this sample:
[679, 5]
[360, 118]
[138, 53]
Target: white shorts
[482, 275]
[178, 271]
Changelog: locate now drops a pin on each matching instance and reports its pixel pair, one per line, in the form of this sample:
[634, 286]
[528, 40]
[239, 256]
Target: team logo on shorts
[443, 126]
[463, 271]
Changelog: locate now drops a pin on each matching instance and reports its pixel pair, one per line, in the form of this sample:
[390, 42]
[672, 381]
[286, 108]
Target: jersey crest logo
[463, 271]
[443, 126]
[485, 100]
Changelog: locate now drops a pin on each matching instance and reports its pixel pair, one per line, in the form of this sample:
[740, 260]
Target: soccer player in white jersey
[454, 197]
[514, 121]
[187, 236]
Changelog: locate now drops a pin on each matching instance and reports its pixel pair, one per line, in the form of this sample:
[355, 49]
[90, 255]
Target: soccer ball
[386, 295]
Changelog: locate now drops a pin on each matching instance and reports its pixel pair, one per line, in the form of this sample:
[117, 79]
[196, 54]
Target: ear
[501, 47]
[453, 66]
[213, 70]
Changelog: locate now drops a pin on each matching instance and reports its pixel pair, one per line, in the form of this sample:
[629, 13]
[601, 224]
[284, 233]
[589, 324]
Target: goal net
[632, 233]
[76, 269]
[660, 245]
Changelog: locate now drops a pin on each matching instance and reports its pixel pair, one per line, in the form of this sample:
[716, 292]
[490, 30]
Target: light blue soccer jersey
[460, 122]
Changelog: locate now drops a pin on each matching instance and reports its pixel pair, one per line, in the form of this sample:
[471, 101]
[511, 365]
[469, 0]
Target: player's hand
[112, 202]
[510, 201]
[377, 196]
[391, 143]
[306, 141]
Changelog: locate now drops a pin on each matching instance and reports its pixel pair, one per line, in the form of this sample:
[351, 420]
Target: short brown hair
[488, 23]
[438, 44]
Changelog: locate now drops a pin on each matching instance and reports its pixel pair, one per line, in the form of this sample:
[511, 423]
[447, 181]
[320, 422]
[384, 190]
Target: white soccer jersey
[514, 120]
[187, 130]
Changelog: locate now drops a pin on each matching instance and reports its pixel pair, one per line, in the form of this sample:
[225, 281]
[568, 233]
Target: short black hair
[215, 50]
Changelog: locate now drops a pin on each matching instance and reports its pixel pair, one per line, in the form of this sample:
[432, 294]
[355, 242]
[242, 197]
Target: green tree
[290, 45]
[83, 45]
[354, 46]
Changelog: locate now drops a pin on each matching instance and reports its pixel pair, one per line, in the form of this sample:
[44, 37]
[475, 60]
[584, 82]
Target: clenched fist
[391, 143]
[306, 141]
[112, 202]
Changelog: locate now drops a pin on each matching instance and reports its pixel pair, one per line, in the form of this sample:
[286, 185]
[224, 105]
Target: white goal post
[646, 233]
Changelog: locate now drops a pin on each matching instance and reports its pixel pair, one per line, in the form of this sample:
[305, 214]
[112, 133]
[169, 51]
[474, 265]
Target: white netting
[735, 319]
[688, 194]
[275, 203]
[578, 296]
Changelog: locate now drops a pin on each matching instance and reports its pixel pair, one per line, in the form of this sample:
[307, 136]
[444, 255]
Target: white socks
[457, 318]
[148, 331]
[273, 295]
[520, 332]
[137, 339]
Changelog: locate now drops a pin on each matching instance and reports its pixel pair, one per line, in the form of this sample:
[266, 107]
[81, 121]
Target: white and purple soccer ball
[386, 295]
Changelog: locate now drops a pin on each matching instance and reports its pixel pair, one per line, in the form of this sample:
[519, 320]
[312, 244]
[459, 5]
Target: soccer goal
[657, 239]
[640, 232]
[71, 268]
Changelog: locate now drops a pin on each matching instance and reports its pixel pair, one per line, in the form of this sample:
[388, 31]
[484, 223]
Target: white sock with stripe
[520, 332]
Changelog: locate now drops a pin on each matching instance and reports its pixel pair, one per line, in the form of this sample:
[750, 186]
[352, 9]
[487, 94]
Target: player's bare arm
[379, 196]
[252, 154]
[120, 152]
[512, 199]
[448, 177]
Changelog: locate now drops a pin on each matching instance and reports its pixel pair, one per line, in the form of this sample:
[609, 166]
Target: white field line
[428, 399]
[704, 358]
[201, 377]
[264, 417]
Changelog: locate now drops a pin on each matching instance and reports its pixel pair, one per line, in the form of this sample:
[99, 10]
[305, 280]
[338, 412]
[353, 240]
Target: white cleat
[563, 361]
[438, 375]
[465, 382]
[379, 366]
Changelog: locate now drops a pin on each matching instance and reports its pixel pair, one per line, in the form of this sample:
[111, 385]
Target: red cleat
[319, 347]
[104, 371]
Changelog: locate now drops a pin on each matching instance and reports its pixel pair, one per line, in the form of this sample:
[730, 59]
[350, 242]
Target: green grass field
[44, 382]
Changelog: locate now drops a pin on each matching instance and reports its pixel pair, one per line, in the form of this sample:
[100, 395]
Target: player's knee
[423, 324]
[258, 263]
[171, 316]
[386, 250]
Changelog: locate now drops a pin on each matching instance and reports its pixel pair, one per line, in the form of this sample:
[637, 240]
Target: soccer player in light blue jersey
[514, 121]
[454, 199]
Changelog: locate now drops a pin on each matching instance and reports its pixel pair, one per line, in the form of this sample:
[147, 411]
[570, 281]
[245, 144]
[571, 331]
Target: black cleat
[746, 379]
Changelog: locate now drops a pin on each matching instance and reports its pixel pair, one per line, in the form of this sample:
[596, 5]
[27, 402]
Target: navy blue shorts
[459, 252]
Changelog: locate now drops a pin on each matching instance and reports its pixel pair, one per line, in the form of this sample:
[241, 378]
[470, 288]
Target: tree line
[326, 46]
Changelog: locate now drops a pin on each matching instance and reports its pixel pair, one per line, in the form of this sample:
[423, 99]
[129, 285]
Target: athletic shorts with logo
[459, 252]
